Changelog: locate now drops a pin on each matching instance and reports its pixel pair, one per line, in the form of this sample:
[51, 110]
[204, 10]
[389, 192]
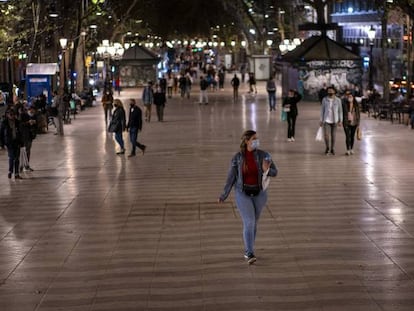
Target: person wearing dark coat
[159, 102]
[28, 126]
[291, 108]
[134, 125]
[118, 124]
[10, 136]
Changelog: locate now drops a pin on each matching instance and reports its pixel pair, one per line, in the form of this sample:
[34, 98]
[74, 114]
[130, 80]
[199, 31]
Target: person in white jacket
[331, 117]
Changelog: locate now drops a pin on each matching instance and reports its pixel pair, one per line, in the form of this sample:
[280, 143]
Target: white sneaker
[289, 139]
[351, 151]
[348, 152]
[292, 139]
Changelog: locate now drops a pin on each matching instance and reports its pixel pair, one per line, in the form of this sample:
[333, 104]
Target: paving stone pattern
[90, 230]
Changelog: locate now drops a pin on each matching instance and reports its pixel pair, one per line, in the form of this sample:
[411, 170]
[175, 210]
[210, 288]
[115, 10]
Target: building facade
[356, 18]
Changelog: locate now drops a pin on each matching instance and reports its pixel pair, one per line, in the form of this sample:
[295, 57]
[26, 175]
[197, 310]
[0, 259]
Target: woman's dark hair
[246, 136]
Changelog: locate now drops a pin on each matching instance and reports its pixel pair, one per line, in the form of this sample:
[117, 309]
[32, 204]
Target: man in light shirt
[331, 117]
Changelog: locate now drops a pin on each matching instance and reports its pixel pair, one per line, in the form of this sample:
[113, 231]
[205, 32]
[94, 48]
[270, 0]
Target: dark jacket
[6, 134]
[135, 118]
[159, 99]
[118, 120]
[292, 102]
[203, 84]
[28, 127]
[345, 110]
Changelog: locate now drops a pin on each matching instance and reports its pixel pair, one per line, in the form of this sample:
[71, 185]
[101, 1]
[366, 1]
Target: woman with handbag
[118, 124]
[248, 172]
[10, 136]
[351, 119]
[289, 106]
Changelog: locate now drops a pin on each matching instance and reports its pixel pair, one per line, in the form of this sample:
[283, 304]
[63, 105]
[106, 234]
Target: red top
[250, 171]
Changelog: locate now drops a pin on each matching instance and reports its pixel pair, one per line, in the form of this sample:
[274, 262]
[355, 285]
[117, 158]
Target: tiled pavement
[90, 230]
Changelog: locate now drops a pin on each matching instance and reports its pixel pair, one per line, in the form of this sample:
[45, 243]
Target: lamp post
[63, 44]
[269, 43]
[371, 37]
[109, 51]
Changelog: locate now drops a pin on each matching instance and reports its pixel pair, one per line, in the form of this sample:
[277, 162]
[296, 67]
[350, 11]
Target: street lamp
[110, 51]
[371, 37]
[63, 44]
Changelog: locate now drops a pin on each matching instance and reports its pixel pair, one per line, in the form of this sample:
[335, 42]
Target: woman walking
[10, 136]
[290, 106]
[351, 119]
[247, 169]
[118, 124]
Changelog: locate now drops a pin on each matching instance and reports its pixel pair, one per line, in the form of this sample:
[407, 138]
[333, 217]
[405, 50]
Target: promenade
[90, 230]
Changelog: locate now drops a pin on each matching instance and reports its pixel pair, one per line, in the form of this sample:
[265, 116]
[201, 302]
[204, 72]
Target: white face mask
[255, 144]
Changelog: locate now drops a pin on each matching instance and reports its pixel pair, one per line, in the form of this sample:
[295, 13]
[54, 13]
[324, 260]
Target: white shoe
[351, 151]
[292, 139]
[289, 140]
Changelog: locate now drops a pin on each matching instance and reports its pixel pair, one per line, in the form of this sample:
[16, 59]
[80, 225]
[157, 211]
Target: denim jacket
[235, 174]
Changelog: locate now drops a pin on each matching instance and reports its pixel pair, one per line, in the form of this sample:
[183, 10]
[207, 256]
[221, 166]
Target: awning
[319, 48]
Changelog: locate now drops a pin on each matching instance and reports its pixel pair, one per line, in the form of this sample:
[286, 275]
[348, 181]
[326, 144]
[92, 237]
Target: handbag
[24, 161]
[319, 134]
[113, 127]
[359, 133]
[283, 115]
[251, 190]
[265, 180]
[286, 109]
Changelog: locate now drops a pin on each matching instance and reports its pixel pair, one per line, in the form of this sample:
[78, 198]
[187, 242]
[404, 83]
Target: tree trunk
[386, 75]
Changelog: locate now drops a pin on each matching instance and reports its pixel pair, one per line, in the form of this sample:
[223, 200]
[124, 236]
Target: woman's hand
[266, 165]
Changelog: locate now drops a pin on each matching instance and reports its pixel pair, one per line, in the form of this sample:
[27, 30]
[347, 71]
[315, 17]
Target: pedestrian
[10, 136]
[243, 72]
[331, 117]
[271, 93]
[148, 100]
[247, 168]
[351, 120]
[290, 106]
[107, 104]
[118, 85]
[159, 102]
[3, 101]
[162, 83]
[252, 83]
[221, 77]
[134, 126]
[59, 110]
[203, 91]
[170, 85]
[322, 93]
[118, 124]
[28, 129]
[235, 83]
[189, 82]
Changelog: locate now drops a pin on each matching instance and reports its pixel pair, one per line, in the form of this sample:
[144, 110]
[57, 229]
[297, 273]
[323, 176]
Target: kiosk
[39, 79]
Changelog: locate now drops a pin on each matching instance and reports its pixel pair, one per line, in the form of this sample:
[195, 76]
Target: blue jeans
[119, 139]
[250, 209]
[133, 138]
[272, 100]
